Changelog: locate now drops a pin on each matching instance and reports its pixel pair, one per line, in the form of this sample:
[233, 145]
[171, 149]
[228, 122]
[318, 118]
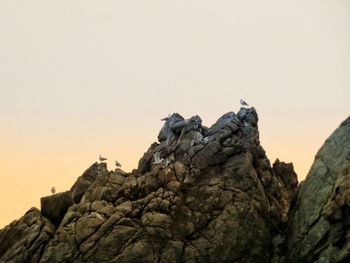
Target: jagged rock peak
[182, 139]
[199, 195]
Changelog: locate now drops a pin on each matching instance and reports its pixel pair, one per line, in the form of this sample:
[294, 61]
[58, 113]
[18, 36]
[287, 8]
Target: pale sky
[82, 78]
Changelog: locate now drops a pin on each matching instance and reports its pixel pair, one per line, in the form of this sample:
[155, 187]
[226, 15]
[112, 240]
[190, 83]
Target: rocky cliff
[319, 228]
[198, 195]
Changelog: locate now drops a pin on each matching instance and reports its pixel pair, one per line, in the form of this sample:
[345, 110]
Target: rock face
[54, 207]
[85, 180]
[320, 222]
[25, 240]
[212, 197]
[201, 194]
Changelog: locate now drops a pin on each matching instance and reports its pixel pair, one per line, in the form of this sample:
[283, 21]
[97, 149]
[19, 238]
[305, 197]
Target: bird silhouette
[53, 190]
[243, 103]
[117, 164]
[102, 158]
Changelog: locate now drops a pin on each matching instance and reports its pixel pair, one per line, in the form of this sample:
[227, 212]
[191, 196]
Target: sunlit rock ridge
[198, 195]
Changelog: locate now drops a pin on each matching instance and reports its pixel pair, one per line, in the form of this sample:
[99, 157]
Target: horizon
[84, 78]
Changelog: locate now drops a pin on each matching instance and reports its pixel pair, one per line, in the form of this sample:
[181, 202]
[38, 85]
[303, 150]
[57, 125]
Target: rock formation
[25, 240]
[320, 222]
[212, 196]
[54, 207]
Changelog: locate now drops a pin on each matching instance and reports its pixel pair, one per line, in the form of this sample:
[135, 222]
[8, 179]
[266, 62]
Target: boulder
[54, 207]
[24, 240]
[86, 179]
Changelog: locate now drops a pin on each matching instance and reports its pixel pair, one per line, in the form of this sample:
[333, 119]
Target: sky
[83, 78]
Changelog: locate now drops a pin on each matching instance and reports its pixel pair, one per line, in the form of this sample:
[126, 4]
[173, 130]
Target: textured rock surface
[24, 240]
[54, 207]
[85, 180]
[212, 197]
[319, 224]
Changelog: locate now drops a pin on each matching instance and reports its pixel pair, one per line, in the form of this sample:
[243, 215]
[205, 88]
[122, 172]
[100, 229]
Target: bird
[117, 164]
[166, 118]
[53, 190]
[157, 158]
[243, 103]
[102, 158]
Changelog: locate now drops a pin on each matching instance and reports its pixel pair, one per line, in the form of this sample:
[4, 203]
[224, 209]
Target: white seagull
[157, 158]
[102, 158]
[243, 103]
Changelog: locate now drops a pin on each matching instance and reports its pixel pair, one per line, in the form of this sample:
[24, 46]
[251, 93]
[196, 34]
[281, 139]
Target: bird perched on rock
[53, 190]
[102, 158]
[117, 164]
[157, 158]
[166, 118]
[243, 103]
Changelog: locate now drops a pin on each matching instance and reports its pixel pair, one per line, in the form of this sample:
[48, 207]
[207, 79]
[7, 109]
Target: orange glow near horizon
[40, 163]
